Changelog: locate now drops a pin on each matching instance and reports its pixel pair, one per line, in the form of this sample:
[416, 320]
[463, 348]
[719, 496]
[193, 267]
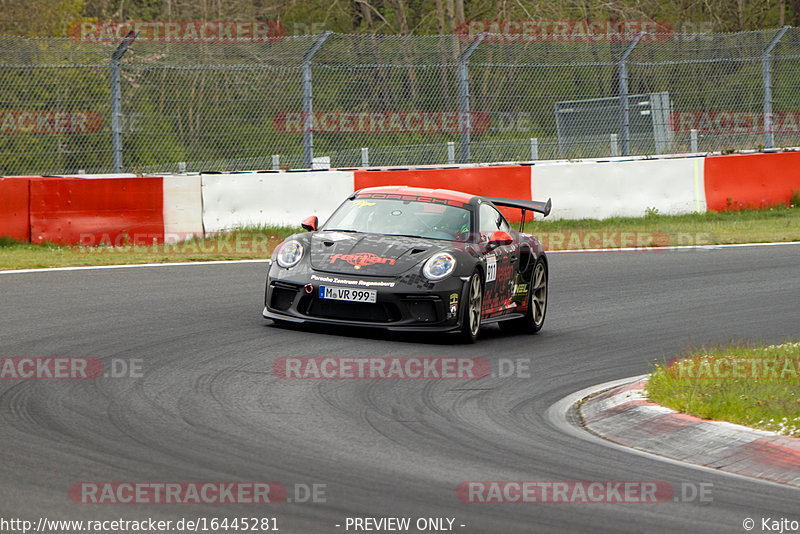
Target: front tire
[537, 304]
[472, 309]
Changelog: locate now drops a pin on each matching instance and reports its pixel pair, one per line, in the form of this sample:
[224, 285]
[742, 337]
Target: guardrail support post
[116, 99]
[308, 108]
[614, 146]
[766, 77]
[451, 152]
[625, 119]
[534, 149]
[464, 119]
[365, 157]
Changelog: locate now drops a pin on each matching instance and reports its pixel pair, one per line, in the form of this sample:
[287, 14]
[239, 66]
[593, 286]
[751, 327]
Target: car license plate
[347, 293]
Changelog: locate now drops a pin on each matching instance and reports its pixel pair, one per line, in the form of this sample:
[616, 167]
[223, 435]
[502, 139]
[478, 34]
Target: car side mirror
[500, 238]
[310, 223]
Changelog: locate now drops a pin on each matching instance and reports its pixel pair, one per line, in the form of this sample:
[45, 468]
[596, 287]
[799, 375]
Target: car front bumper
[403, 307]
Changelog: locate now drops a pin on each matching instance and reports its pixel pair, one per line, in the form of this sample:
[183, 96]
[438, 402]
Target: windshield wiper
[339, 230]
[409, 235]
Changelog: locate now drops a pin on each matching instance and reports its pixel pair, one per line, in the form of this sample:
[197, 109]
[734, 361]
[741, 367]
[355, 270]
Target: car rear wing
[524, 205]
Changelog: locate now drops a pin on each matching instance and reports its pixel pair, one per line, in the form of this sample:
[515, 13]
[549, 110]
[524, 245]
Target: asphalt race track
[208, 407]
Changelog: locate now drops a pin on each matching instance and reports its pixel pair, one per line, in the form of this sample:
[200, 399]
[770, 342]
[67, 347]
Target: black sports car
[406, 258]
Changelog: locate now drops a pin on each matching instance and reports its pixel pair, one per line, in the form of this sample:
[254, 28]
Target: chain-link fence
[358, 100]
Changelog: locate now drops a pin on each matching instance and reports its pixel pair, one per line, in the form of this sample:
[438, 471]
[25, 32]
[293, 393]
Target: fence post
[464, 120]
[766, 77]
[116, 100]
[625, 121]
[308, 134]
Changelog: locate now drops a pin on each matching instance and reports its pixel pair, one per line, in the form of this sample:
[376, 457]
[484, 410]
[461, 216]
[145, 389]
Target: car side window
[492, 220]
[504, 224]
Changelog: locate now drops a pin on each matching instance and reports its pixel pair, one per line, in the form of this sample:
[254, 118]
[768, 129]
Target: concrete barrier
[506, 181]
[751, 180]
[15, 208]
[281, 198]
[183, 206]
[621, 188]
[115, 211]
[94, 207]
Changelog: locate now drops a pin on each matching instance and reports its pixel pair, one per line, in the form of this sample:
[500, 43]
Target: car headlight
[439, 266]
[289, 254]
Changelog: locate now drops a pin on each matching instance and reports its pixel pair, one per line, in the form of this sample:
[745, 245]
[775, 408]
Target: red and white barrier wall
[751, 180]
[506, 181]
[627, 189]
[255, 198]
[15, 208]
[89, 211]
[119, 209]
[183, 206]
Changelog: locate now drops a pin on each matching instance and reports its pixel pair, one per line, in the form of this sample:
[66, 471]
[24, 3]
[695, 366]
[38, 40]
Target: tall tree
[795, 18]
[38, 18]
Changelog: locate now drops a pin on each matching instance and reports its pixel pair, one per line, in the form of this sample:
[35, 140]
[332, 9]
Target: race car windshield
[402, 218]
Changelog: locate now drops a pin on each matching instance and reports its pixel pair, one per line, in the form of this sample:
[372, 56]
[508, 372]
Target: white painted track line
[582, 251]
[97, 267]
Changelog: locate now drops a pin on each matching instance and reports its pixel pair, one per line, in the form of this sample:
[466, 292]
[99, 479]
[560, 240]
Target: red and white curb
[624, 416]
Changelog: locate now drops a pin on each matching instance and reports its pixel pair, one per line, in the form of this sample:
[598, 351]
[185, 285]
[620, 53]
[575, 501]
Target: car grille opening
[422, 310]
[351, 311]
[282, 296]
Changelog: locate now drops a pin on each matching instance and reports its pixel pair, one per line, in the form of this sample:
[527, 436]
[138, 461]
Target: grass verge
[656, 230]
[257, 242]
[254, 242]
[757, 386]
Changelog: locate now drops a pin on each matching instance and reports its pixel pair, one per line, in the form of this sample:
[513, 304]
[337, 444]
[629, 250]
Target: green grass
[656, 230]
[652, 230]
[254, 242]
[757, 386]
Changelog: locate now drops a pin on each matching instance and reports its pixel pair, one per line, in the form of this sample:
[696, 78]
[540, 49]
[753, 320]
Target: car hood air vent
[367, 254]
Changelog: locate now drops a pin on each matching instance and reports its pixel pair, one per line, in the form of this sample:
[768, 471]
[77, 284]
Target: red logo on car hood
[361, 259]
